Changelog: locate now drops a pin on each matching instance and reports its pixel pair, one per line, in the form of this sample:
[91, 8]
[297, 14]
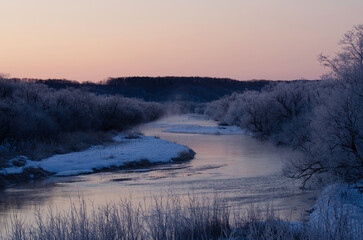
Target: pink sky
[90, 40]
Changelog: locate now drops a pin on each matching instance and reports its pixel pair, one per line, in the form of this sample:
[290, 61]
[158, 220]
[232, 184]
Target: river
[238, 168]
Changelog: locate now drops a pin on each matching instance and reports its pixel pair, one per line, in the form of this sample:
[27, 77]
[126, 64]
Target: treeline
[275, 113]
[196, 89]
[32, 112]
[163, 89]
[323, 119]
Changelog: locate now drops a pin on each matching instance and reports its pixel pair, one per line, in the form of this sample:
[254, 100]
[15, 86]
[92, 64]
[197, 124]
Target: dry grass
[168, 217]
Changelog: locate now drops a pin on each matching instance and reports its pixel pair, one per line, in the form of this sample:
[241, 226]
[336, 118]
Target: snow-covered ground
[340, 206]
[125, 151]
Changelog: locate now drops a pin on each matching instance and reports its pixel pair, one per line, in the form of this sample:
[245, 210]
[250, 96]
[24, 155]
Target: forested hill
[159, 89]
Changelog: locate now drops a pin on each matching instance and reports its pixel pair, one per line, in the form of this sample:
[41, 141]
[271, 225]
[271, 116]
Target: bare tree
[335, 148]
[323, 119]
[347, 66]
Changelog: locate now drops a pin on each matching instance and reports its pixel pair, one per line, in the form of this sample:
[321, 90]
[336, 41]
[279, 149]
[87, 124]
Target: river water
[240, 169]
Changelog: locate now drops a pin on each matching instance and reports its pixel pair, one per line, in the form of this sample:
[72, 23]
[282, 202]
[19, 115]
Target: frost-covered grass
[175, 217]
[168, 217]
[126, 151]
[339, 212]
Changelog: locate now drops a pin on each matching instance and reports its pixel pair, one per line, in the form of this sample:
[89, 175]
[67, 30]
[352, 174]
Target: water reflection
[237, 167]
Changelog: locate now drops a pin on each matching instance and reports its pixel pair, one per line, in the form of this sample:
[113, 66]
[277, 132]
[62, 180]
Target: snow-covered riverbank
[126, 151]
[339, 209]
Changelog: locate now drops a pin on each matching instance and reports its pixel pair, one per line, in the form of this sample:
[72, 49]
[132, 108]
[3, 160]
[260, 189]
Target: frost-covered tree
[31, 113]
[219, 108]
[277, 113]
[335, 147]
[323, 119]
[347, 66]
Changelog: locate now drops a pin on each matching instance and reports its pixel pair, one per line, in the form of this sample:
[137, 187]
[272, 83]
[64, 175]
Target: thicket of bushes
[33, 114]
[324, 119]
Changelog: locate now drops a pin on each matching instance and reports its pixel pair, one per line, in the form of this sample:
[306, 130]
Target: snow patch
[338, 204]
[125, 152]
[11, 170]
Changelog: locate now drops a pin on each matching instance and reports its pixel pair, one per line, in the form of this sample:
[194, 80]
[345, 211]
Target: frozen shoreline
[126, 151]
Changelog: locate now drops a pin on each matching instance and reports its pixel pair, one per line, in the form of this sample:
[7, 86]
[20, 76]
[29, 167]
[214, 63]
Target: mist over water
[238, 168]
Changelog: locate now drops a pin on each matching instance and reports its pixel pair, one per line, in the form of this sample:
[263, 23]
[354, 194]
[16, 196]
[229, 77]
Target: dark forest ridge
[160, 89]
